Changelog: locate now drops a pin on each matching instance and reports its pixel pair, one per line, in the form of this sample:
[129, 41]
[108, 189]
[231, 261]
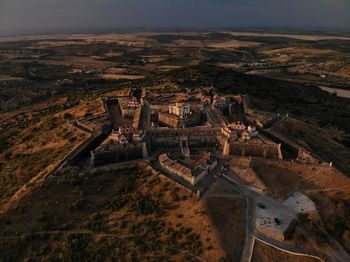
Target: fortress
[171, 129]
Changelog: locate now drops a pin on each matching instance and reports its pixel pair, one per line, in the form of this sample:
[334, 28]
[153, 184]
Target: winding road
[333, 251]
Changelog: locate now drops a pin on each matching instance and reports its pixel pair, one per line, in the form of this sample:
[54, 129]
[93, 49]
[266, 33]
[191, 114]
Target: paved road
[250, 238]
[334, 250]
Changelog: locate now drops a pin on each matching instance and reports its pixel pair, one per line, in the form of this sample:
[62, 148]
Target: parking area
[273, 220]
[300, 203]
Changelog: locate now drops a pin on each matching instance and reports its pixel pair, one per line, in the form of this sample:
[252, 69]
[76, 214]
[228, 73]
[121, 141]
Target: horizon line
[104, 30]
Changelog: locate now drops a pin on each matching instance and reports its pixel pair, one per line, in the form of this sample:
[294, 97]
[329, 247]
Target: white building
[229, 132]
[179, 109]
[252, 131]
[119, 138]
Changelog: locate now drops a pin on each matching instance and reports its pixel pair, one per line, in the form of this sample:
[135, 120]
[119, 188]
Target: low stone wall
[255, 150]
[84, 127]
[287, 145]
[85, 148]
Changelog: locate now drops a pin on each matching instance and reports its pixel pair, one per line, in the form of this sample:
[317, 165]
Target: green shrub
[154, 181]
[67, 116]
[346, 239]
[301, 238]
[117, 203]
[304, 219]
[143, 205]
[98, 222]
[78, 205]
[72, 139]
[289, 233]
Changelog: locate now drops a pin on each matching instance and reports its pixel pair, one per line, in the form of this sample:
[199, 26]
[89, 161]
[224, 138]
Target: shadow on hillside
[226, 209]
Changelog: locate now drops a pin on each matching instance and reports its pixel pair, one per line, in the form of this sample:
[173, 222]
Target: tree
[300, 238]
[288, 234]
[67, 115]
[346, 238]
[304, 219]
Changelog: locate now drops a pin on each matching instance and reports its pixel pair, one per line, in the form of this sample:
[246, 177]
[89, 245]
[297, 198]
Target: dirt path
[38, 179]
[24, 190]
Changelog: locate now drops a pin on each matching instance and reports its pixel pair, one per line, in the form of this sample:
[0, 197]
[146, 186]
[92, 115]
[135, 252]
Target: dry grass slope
[265, 253]
[129, 213]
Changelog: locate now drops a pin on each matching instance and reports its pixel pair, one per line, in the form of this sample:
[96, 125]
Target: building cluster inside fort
[126, 134]
[238, 131]
[179, 115]
[178, 122]
[128, 106]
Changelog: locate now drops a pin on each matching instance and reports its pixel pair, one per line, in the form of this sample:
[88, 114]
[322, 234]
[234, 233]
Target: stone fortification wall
[197, 137]
[115, 156]
[271, 151]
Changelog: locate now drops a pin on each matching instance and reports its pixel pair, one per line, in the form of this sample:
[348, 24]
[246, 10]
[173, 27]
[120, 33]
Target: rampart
[196, 137]
[272, 151]
[117, 155]
[287, 144]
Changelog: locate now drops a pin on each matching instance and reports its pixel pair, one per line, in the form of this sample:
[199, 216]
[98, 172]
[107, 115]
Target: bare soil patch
[302, 52]
[283, 178]
[242, 168]
[230, 44]
[116, 76]
[7, 78]
[296, 36]
[78, 62]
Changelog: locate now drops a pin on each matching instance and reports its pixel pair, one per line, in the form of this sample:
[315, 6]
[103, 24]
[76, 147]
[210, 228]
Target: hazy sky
[46, 14]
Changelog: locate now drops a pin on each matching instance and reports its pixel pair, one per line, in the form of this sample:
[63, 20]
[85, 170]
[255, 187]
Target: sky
[21, 15]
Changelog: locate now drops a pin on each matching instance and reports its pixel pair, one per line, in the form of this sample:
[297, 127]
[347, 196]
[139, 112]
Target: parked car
[261, 205]
[277, 221]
